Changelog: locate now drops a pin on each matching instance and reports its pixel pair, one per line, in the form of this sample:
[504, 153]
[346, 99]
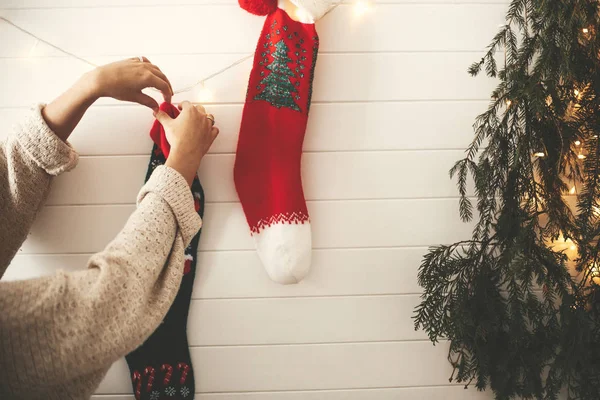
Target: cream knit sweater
[60, 334]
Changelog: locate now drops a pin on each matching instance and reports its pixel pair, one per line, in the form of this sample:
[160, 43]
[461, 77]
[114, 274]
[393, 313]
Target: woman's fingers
[145, 100]
[214, 132]
[184, 105]
[156, 71]
[163, 118]
[200, 108]
[160, 84]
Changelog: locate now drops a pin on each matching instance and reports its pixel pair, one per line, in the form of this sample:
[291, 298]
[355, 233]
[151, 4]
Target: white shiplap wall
[393, 108]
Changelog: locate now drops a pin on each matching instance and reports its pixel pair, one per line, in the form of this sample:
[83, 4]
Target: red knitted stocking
[267, 165]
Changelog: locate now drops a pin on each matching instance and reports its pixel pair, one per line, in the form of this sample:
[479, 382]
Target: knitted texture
[162, 367]
[60, 334]
[158, 135]
[258, 7]
[267, 164]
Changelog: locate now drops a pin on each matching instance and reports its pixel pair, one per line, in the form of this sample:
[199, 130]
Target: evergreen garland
[521, 314]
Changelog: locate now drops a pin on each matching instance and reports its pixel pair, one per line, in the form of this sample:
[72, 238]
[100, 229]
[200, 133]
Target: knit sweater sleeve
[64, 327]
[29, 159]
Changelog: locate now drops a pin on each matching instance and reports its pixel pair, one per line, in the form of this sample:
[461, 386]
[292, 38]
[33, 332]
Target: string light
[302, 14]
[577, 143]
[566, 245]
[572, 191]
[204, 95]
[361, 7]
[508, 103]
[581, 157]
[540, 154]
[595, 274]
[585, 30]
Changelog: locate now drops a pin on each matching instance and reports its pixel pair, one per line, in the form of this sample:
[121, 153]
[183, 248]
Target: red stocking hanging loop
[259, 7]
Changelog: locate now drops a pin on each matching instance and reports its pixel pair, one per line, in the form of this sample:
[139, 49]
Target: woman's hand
[190, 135]
[124, 80]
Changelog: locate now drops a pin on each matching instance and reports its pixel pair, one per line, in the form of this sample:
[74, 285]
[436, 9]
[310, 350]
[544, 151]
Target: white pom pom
[313, 9]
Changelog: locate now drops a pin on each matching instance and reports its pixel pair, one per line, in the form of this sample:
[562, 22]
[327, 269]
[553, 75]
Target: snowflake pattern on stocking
[170, 391]
[185, 392]
[155, 395]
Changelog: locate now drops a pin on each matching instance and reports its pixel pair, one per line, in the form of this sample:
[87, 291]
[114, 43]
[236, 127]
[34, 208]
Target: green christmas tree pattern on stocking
[277, 87]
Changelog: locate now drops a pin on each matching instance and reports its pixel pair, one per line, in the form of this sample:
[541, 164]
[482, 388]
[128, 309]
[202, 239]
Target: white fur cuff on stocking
[285, 251]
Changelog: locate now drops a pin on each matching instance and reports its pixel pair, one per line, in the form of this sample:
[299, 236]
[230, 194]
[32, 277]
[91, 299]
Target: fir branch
[518, 323]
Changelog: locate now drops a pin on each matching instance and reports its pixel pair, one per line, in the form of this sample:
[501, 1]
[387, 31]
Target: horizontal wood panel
[303, 320]
[239, 274]
[326, 176]
[335, 224]
[302, 367]
[117, 130]
[439, 27]
[338, 78]
[410, 393]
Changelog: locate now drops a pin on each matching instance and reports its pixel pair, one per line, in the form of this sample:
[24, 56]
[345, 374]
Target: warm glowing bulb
[572, 191]
[595, 136]
[595, 274]
[302, 14]
[585, 30]
[576, 92]
[204, 95]
[540, 154]
[581, 156]
[577, 143]
[361, 7]
[508, 103]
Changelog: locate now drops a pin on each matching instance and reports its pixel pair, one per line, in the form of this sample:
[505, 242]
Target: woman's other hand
[190, 135]
[124, 80]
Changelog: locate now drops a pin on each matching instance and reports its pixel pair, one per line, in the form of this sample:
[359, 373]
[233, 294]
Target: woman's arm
[38, 150]
[28, 160]
[74, 324]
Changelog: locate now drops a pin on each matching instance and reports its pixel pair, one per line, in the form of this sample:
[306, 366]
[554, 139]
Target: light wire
[182, 90]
